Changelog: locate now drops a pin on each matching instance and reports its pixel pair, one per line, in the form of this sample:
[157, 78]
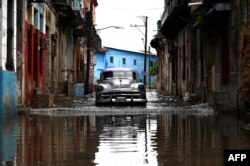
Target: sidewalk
[61, 101]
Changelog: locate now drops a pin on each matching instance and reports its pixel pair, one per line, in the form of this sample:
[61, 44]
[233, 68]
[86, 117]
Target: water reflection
[127, 140]
[145, 139]
[7, 139]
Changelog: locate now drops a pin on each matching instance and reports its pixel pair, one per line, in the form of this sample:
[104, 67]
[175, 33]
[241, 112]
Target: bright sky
[124, 13]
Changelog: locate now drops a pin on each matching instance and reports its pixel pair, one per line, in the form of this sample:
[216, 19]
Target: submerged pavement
[156, 104]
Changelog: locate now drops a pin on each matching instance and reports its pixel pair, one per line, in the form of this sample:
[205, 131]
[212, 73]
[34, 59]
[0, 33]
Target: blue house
[113, 57]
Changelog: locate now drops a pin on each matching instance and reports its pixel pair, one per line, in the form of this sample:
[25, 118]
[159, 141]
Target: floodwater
[165, 132]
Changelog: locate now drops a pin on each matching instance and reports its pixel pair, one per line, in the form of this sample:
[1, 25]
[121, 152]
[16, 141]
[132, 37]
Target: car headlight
[99, 88]
[141, 87]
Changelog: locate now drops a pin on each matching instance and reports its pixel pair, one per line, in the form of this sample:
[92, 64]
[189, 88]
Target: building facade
[204, 46]
[112, 57]
[52, 48]
[44, 50]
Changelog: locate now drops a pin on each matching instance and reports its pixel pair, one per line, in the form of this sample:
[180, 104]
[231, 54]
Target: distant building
[113, 57]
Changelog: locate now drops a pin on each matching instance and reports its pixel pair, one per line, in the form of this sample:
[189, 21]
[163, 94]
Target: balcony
[64, 10]
[38, 1]
[217, 8]
[212, 12]
[173, 18]
[78, 7]
[69, 12]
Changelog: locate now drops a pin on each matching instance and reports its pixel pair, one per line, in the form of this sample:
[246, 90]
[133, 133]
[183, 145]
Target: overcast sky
[124, 13]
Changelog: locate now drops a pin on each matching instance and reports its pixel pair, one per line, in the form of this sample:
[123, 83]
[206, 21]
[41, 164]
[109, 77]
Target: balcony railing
[170, 7]
[63, 2]
[65, 9]
[164, 16]
[171, 21]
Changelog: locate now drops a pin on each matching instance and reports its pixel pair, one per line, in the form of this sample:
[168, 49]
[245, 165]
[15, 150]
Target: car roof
[118, 69]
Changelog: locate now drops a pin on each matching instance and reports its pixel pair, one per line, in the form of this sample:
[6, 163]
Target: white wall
[3, 44]
[1, 33]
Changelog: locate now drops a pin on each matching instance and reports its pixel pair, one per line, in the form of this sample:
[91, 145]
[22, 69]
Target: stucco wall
[3, 45]
[8, 105]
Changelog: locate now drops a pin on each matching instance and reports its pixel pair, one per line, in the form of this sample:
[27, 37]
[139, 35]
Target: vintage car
[120, 85]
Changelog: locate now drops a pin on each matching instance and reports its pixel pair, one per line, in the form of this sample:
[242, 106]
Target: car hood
[119, 83]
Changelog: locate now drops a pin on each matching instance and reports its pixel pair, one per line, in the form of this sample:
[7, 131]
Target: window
[119, 75]
[151, 63]
[123, 61]
[111, 59]
[36, 16]
[41, 22]
[134, 61]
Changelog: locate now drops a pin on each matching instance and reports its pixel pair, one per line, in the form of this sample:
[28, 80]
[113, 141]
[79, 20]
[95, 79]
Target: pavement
[60, 102]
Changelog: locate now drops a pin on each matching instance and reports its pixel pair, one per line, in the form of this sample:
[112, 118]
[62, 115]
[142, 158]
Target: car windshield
[118, 75]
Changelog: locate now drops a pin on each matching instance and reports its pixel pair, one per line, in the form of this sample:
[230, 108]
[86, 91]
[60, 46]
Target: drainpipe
[10, 35]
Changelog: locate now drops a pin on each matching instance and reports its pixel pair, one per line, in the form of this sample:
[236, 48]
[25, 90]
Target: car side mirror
[140, 80]
[98, 81]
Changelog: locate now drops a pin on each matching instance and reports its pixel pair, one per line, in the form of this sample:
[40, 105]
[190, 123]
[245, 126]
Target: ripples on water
[127, 141]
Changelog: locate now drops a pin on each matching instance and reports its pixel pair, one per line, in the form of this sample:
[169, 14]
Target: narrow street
[56, 55]
[165, 132]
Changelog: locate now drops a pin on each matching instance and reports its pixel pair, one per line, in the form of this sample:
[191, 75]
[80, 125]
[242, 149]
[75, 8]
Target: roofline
[105, 49]
[118, 69]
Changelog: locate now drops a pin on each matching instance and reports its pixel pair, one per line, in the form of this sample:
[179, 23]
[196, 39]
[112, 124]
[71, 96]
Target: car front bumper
[120, 97]
[121, 100]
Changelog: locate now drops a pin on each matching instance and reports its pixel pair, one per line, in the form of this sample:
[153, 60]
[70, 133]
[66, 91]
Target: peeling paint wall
[8, 105]
[35, 52]
[3, 47]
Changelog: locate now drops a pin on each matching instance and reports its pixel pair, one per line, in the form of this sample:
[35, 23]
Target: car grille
[133, 95]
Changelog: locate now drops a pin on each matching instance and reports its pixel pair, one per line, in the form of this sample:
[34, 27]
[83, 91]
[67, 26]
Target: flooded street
[165, 132]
